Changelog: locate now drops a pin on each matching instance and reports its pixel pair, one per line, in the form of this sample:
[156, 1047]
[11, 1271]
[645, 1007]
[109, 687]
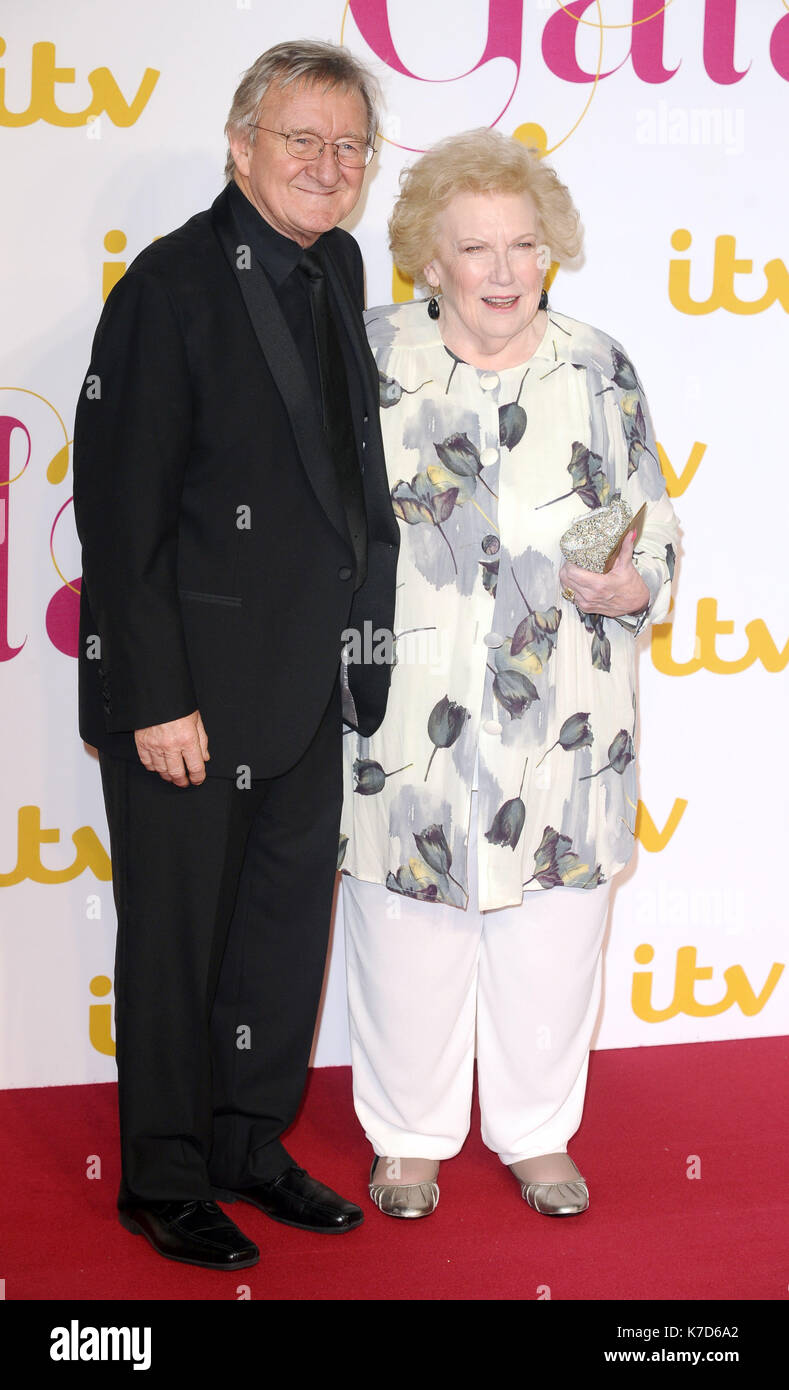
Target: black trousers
[223, 898]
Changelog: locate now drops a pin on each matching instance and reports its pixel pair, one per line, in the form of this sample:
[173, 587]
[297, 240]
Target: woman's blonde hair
[477, 161]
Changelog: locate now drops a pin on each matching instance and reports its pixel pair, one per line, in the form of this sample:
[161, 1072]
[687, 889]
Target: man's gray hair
[305, 60]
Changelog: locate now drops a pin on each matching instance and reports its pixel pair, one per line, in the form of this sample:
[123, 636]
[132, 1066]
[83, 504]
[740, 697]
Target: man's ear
[238, 141]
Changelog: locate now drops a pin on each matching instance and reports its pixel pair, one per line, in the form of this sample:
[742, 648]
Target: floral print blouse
[500, 682]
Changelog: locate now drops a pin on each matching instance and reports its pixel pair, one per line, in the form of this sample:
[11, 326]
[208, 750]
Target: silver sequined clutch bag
[593, 541]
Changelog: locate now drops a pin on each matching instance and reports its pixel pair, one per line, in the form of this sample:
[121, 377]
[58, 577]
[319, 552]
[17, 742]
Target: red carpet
[650, 1233]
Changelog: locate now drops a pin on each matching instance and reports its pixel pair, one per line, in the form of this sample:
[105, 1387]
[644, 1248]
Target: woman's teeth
[499, 302]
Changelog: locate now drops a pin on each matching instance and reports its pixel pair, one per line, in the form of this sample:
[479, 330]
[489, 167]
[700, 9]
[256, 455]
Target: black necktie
[337, 422]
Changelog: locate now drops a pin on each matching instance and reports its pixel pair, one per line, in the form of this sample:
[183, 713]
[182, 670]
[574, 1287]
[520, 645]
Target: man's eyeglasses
[354, 154]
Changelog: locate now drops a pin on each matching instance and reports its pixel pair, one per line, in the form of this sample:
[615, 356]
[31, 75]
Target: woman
[487, 817]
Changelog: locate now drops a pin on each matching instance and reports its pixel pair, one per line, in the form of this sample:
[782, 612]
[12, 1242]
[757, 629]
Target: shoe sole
[137, 1230]
[228, 1198]
[575, 1211]
[405, 1215]
[560, 1213]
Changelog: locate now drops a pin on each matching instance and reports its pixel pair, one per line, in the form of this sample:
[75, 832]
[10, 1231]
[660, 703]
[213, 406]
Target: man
[231, 500]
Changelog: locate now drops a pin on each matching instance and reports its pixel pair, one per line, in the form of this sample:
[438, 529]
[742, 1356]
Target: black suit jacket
[217, 567]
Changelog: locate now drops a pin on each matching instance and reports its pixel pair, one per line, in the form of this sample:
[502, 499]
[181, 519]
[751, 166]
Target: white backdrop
[669, 126]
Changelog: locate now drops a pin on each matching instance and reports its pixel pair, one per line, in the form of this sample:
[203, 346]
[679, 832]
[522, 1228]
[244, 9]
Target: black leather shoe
[194, 1233]
[296, 1199]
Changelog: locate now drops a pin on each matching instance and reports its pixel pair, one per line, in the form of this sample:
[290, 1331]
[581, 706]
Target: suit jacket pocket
[210, 598]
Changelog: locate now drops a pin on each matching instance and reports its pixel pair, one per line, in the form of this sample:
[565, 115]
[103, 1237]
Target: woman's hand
[617, 594]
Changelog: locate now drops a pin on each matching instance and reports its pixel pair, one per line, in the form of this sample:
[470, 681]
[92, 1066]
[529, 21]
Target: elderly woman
[488, 816]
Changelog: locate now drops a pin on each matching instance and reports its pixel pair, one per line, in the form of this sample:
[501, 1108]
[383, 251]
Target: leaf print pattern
[509, 820]
[461, 457]
[428, 877]
[512, 420]
[370, 776]
[412, 880]
[601, 646]
[507, 824]
[576, 732]
[536, 636]
[635, 430]
[514, 691]
[623, 374]
[620, 753]
[433, 848]
[671, 560]
[445, 725]
[390, 392]
[521, 665]
[341, 849]
[590, 483]
[490, 575]
[419, 502]
[408, 505]
[556, 865]
[589, 480]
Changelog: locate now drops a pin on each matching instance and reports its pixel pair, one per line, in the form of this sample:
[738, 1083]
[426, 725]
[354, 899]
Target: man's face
[301, 199]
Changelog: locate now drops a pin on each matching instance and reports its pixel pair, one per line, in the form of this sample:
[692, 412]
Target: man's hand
[620, 592]
[166, 748]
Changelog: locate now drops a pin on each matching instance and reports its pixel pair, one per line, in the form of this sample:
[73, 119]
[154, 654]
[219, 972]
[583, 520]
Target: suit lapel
[286, 367]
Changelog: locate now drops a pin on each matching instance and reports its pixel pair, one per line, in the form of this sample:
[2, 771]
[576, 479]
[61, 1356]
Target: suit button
[344, 572]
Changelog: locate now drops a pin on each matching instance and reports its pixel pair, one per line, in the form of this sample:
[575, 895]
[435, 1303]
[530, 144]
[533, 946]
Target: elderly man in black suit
[232, 504]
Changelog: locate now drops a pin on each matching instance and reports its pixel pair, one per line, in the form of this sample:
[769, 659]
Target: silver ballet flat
[404, 1199]
[556, 1198]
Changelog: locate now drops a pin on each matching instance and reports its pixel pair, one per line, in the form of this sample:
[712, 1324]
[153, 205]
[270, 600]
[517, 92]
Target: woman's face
[490, 266]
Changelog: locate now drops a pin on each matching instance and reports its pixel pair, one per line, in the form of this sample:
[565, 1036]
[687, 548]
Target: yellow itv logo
[738, 988]
[724, 295]
[46, 76]
[100, 1017]
[761, 646]
[90, 852]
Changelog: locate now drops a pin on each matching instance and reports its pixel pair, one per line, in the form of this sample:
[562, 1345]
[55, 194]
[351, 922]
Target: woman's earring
[543, 304]
[432, 304]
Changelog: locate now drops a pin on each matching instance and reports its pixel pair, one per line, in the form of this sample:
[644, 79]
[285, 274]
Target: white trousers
[424, 978]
